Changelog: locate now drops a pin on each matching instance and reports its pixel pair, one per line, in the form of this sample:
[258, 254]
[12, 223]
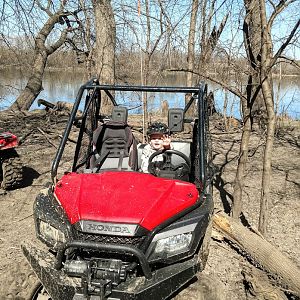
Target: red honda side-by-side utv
[108, 231]
[11, 174]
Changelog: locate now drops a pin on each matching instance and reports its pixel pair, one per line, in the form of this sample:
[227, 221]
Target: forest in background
[128, 63]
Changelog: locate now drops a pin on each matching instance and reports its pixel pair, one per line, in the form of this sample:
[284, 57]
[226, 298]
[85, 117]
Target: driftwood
[261, 252]
[58, 106]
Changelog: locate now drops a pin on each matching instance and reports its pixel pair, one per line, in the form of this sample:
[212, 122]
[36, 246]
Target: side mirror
[175, 119]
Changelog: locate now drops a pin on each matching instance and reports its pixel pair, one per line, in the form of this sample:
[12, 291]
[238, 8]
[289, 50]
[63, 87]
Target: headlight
[174, 244]
[50, 233]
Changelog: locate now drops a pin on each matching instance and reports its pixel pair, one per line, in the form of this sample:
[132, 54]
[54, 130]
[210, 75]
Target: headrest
[119, 114]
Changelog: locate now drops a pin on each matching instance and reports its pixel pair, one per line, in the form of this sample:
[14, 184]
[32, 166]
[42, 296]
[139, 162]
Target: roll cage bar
[93, 89]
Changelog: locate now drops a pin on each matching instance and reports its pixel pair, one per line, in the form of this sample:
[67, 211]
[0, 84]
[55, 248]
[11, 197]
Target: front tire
[38, 293]
[19, 282]
[205, 246]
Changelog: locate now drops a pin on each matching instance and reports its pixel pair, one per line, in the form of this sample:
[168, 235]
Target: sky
[178, 14]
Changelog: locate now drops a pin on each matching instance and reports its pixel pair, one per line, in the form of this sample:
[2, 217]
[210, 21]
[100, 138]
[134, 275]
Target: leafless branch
[208, 77]
[59, 42]
[285, 44]
[45, 9]
[247, 43]
[278, 9]
[293, 62]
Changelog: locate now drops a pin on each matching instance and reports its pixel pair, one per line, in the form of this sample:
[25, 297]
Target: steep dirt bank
[225, 271]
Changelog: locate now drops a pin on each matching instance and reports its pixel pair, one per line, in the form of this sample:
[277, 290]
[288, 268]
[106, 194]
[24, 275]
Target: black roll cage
[94, 89]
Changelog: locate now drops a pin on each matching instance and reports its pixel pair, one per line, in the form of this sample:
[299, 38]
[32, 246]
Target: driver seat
[114, 147]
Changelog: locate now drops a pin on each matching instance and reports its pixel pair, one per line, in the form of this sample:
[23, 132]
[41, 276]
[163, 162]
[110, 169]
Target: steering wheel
[166, 165]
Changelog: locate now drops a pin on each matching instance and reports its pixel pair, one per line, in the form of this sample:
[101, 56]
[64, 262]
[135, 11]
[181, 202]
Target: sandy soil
[225, 265]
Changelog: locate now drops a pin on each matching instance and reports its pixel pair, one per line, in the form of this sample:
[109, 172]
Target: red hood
[123, 197]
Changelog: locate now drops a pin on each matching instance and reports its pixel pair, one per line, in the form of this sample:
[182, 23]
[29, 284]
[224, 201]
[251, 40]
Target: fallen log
[258, 286]
[261, 252]
[58, 106]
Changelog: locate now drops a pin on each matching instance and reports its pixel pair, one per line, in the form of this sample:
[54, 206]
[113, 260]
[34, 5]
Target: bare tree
[268, 61]
[105, 46]
[209, 39]
[43, 48]
[259, 47]
[191, 42]
[252, 36]
[191, 53]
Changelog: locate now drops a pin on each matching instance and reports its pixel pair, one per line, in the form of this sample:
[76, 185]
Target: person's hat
[157, 128]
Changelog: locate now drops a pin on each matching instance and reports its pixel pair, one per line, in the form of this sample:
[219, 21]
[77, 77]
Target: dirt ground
[223, 276]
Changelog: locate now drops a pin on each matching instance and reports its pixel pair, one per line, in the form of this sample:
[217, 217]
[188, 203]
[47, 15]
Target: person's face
[156, 141]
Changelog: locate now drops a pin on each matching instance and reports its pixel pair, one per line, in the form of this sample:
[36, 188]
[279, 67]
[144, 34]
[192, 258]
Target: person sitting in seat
[159, 139]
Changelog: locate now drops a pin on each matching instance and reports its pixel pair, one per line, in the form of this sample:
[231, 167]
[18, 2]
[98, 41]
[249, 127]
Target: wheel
[204, 248]
[20, 282]
[38, 293]
[11, 170]
[206, 287]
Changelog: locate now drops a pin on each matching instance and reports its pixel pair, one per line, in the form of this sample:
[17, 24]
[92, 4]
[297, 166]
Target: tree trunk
[191, 55]
[34, 84]
[267, 89]
[191, 43]
[261, 252]
[239, 181]
[87, 38]
[204, 34]
[252, 39]
[105, 47]
[146, 70]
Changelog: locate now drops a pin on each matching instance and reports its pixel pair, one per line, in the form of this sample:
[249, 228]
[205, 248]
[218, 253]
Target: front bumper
[163, 283]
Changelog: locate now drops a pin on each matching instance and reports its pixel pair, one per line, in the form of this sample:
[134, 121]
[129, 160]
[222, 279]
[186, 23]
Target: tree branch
[285, 44]
[293, 62]
[247, 43]
[45, 9]
[278, 9]
[59, 42]
[219, 82]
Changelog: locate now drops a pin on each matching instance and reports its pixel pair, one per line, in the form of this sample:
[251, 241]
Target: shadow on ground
[29, 174]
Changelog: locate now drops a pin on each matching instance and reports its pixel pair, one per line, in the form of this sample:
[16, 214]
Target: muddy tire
[11, 171]
[38, 293]
[206, 287]
[20, 282]
[205, 246]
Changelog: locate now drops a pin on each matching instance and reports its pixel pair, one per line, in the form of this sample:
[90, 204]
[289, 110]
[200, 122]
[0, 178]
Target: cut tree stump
[261, 252]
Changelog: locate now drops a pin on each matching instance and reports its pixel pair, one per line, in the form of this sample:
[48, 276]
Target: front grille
[110, 239]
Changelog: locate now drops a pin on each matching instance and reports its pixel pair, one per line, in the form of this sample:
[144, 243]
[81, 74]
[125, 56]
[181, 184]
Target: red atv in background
[108, 231]
[11, 174]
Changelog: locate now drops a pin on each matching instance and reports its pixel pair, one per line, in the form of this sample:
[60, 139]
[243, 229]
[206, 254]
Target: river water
[63, 86]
